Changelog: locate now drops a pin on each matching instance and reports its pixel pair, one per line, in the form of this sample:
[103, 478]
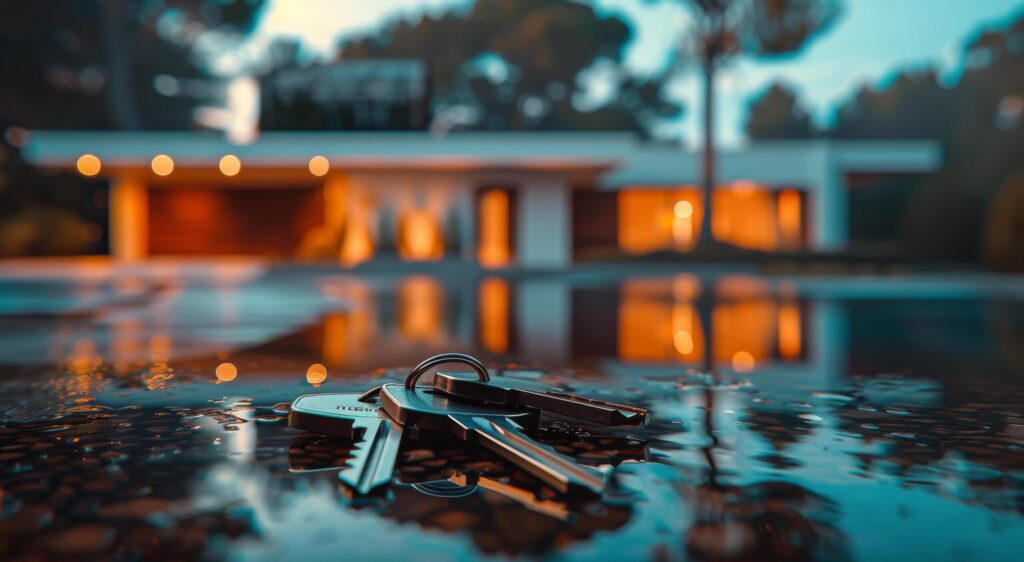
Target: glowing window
[419, 236]
[494, 314]
[495, 248]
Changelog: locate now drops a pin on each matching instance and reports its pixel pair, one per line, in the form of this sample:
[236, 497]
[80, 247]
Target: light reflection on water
[139, 417]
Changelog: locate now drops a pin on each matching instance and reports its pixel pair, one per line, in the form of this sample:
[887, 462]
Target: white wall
[544, 225]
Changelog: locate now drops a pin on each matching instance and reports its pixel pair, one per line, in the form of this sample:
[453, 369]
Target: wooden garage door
[207, 221]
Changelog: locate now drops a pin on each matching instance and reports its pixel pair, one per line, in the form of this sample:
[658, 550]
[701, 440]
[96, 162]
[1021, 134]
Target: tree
[94, 64]
[778, 114]
[518, 65]
[965, 210]
[913, 105]
[725, 29]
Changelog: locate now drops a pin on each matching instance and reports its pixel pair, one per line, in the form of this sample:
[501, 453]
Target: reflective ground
[141, 414]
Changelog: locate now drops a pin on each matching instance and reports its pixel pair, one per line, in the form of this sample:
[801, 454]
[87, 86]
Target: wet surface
[143, 416]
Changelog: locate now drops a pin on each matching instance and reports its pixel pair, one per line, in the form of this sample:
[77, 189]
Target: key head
[498, 390]
[516, 393]
[331, 414]
[427, 409]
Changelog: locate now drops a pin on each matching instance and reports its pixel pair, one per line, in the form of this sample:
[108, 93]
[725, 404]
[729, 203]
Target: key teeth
[364, 484]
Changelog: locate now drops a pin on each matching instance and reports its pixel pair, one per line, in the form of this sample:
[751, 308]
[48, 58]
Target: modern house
[528, 200]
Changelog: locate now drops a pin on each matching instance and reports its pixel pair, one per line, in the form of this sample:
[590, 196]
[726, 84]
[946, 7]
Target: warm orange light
[683, 342]
[494, 314]
[349, 335]
[658, 219]
[419, 236]
[652, 329]
[316, 374]
[129, 218]
[744, 188]
[162, 165]
[357, 242]
[683, 209]
[420, 309]
[790, 333]
[495, 249]
[319, 166]
[89, 165]
[745, 215]
[744, 326]
[790, 218]
[335, 342]
[230, 165]
[226, 372]
[160, 348]
[743, 361]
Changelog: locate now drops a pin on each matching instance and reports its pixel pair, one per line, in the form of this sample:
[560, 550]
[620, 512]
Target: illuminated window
[419, 236]
[420, 309]
[655, 329]
[746, 215]
[659, 323]
[495, 248]
[744, 332]
[357, 242]
[658, 219]
[790, 331]
[494, 314]
[790, 219]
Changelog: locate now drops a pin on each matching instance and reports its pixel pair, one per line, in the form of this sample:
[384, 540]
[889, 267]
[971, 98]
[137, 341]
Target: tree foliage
[518, 65]
[979, 121]
[778, 114]
[724, 29]
[93, 64]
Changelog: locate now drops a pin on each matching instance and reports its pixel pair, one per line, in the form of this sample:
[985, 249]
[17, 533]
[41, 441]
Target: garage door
[209, 221]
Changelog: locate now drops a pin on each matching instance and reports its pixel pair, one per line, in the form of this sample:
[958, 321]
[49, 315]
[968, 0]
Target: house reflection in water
[357, 324]
[648, 325]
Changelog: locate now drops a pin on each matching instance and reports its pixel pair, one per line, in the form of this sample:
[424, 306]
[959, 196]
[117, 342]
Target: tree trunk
[117, 52]
[706, 237]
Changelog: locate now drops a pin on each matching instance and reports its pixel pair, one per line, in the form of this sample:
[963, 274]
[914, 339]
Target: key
[518, 393]
[498, 429]
[344, 415]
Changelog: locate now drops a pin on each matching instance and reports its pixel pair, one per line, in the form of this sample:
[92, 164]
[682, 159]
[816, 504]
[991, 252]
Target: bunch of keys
[497, 413]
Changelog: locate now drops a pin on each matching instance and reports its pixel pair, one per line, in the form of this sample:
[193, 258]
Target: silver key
[495, 428]
[344, 415]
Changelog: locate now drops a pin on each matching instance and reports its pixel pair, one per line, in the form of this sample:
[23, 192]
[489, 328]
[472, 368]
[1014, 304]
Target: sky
[871, 40]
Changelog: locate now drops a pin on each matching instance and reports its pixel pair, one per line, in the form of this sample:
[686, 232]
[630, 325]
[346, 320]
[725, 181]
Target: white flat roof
[351, 150]
[777, 162]
[630, 161]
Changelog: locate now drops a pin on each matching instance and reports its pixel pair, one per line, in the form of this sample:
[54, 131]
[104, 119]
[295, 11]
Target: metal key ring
[427, 364]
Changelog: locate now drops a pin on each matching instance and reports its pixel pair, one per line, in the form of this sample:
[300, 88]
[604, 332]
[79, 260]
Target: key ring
[427, 364]
[417, 372]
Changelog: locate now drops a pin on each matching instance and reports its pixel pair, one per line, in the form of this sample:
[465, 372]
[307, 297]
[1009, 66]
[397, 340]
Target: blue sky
[872, 39]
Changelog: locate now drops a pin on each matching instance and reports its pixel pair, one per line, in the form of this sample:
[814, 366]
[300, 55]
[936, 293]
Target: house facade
[525, 200]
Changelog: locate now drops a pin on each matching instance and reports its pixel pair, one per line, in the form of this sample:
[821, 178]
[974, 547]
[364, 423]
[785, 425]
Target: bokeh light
[743, 361]
[316, 374]
[226, 372]
[89, 165]
[230, 165]
[683, 209]
[162, 165]
[319, 166]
